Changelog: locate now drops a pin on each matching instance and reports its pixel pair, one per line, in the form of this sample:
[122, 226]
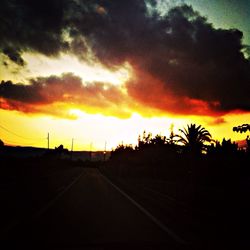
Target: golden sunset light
[125, 124]
[96, 129]
[90, 84]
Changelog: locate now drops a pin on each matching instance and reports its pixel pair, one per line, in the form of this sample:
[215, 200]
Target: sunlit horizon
[91, 132]
[96, 87]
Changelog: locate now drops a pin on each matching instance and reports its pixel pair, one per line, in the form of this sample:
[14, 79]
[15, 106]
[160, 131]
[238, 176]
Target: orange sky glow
[91, 73]
[90, 121]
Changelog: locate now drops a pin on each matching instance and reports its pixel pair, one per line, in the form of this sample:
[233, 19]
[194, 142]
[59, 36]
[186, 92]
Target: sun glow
[76, 113]
[95, 129]
[91, 123]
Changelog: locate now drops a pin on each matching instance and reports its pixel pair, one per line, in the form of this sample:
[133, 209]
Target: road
[92, 213]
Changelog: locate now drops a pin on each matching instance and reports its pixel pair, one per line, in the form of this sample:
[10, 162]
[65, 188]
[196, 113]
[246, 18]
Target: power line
[7, 142]
[13, 133]
[30, 139]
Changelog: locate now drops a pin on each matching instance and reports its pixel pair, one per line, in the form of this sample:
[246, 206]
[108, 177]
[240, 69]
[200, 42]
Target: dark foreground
[59, 204]
[91, 213]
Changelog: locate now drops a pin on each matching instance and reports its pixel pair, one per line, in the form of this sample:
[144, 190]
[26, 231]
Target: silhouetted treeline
[242, 128]
[193, 159]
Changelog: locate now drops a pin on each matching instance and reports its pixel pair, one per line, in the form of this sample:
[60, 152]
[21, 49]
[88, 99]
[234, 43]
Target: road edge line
[148, 214]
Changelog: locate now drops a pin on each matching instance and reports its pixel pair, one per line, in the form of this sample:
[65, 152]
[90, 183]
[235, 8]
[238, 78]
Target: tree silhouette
[122, 152]
[159, 140]
[61, 150]
[225, 148]
[242, 128]
[145, 140]
[171, 140]
[194, 137]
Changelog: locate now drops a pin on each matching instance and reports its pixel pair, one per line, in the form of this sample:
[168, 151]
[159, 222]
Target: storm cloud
[63, 92]
[27, 25]
[181, 63]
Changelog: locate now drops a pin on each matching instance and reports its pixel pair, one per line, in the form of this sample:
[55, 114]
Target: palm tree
[194, 137]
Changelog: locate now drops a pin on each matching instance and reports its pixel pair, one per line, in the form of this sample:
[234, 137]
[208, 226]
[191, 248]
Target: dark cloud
[193, 60]
[67, 91]
[33, 26]
[197, 68]
[20, 92]
[14, 55]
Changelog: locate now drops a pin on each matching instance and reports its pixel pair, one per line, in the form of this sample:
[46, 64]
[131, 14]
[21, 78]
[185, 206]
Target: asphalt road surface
[91, 214]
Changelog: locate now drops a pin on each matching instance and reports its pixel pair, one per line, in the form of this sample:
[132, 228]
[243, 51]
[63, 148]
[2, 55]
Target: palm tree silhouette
[194, 137]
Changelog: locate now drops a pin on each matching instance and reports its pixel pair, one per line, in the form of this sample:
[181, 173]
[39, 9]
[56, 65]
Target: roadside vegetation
[206, 182]
[192, 153]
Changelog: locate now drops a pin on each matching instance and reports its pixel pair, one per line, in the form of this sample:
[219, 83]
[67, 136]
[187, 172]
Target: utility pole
[90, 151]
[72, 144]
[48, 140]
[72, 147]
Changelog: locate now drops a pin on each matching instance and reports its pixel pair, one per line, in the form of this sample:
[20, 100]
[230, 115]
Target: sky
[102, 71]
